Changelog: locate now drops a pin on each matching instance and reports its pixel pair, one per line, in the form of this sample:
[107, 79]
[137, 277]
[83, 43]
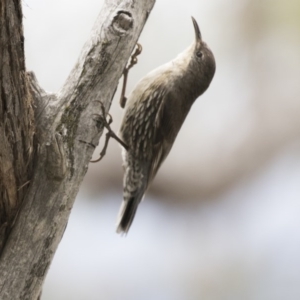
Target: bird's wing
[164, 134]
[152, 124]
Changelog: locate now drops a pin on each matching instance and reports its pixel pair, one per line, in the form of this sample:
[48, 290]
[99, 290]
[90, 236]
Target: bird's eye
[199, 54]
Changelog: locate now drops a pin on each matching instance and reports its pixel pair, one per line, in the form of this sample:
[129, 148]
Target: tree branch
[67, 135]
[16, 117]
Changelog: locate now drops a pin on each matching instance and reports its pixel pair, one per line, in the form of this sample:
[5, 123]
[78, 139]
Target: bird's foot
[110, 133]
[133, 61]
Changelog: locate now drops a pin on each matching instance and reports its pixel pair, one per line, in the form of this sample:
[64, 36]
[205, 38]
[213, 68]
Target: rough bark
[16, 117]
[44, 156]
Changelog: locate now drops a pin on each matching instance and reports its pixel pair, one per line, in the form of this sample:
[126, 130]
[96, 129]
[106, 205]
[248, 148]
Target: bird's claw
[133, 61]
[110, 133]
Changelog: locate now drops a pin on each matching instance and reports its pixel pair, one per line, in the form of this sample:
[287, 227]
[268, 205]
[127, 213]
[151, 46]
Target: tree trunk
[47, 140]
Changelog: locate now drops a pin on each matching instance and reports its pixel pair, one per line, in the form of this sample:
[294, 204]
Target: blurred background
[221, 221]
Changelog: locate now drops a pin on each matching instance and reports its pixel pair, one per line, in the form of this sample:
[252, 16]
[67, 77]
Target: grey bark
[16, 117]
[66, 131]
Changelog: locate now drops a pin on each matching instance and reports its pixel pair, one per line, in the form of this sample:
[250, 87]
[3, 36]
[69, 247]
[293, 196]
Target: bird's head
[202, 60]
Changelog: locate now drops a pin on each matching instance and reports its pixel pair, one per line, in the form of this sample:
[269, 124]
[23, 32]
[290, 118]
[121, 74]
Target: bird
[154, 113]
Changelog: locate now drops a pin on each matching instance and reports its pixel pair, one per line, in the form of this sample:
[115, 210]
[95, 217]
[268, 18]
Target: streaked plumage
[154, 114]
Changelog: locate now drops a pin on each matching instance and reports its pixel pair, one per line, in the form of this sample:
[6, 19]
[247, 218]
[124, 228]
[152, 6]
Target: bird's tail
[135, 185]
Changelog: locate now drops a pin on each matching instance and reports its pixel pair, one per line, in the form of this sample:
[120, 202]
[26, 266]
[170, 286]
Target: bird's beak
[197, 31]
